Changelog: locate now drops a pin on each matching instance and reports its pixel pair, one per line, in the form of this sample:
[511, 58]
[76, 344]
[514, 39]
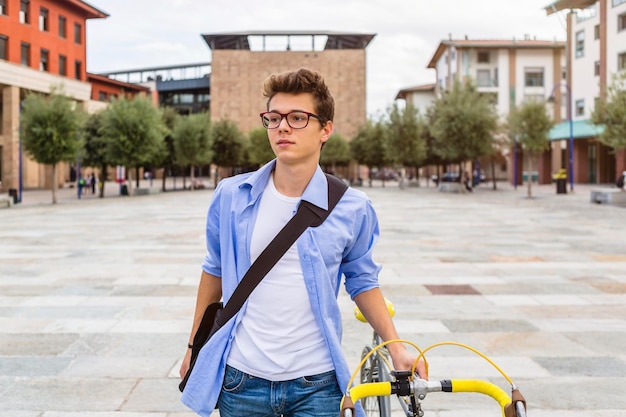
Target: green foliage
[611, 113]
[406, 132]
[370, 145]
[94, 152]
[192, 140]
[50, 128]
[169, 116]
[462, 123]
[229, 144]
[530, 123]
[94, 148]
[134, 132]
[335, 152]
[259, 151]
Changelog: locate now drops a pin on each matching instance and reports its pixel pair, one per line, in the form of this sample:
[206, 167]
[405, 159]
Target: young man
[281, 355]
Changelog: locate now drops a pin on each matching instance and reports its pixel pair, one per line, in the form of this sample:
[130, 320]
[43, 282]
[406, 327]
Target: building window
[596, 32]
[483, 78]
[4, 41]
[533, 77]
[44, 25]
[621, 22]
[25, 54]
[564, 73]
[588, 13]
[580, 107]
[62, 65]
[621, 61]
[580, 43]
[62, 27]
[77, 33]
[102, 96]
[78, 70]
[24, 14]
[596, 68]
[44, 60]
[483, 57]
[3, 7]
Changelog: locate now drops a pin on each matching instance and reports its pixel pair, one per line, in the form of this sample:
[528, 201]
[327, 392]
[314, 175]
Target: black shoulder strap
[307, 215]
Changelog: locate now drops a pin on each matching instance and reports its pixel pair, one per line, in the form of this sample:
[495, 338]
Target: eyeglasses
[295, 119]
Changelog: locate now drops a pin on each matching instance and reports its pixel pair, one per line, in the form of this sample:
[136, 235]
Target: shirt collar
[316, 192]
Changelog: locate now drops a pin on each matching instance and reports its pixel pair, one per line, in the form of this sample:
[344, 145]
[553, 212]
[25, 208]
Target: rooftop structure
[287, 40]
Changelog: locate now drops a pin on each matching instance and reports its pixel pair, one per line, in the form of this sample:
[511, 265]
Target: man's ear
[327, 130]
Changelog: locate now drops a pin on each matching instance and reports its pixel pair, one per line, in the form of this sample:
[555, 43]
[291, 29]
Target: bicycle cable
[422, 355]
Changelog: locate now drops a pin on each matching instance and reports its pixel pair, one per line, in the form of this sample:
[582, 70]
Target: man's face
[296, 146]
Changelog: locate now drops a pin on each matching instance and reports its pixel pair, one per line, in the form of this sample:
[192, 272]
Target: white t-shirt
[278, 338]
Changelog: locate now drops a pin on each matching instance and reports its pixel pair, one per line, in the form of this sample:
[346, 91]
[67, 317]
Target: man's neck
[291, 181]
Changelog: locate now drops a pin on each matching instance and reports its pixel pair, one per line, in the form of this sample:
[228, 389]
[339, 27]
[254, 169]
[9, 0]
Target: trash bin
[124, 189]
[561, 186]
[13, 193]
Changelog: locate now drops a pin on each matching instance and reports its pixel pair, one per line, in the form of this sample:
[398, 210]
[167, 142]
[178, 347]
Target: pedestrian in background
[92, 182]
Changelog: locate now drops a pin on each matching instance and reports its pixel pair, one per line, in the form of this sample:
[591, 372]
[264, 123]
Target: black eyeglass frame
[284, 116]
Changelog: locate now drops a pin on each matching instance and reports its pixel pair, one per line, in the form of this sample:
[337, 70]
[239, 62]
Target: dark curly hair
[303, 80]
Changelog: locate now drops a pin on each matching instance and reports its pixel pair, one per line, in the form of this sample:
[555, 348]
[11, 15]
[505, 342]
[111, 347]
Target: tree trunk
[54, 183]
[103, 179]
[193, 176]
[493, 172]
[530, 175]
[137, 176]
[130, 182]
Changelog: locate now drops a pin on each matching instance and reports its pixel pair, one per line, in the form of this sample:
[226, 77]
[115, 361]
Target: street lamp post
[570, 116]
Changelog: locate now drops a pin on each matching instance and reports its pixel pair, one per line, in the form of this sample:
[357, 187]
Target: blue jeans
[309, 396]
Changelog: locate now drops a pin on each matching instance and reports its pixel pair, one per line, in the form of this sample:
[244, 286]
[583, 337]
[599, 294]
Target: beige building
[510, 72]
[596, 45]
[242, 61]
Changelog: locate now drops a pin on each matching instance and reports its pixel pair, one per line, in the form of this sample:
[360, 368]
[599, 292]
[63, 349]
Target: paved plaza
[97, 296]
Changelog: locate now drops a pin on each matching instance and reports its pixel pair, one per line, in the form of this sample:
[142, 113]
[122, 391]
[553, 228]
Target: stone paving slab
[97, 295]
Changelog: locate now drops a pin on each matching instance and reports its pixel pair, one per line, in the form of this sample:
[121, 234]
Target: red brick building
[43, 47]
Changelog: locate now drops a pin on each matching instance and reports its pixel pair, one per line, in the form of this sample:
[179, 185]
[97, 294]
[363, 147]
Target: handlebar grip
[482, 387]
[374, 389]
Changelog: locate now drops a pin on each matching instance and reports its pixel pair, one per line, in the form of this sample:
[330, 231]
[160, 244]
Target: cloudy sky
[145, 33]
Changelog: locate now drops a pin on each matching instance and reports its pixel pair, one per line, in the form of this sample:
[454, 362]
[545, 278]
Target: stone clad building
[242, 61]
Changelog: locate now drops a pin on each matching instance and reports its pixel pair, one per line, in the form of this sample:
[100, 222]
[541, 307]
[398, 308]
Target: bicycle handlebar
[515, 407]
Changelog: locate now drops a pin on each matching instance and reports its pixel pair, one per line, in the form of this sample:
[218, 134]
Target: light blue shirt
[341, 246]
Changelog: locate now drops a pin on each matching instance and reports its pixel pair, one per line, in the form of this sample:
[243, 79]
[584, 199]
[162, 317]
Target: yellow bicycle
[379, 382]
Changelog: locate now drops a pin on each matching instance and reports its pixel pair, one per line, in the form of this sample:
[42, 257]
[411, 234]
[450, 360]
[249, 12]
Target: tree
[134, 132]
[530, 123]
[94, 149]
[192, 141]
[611, 113]
[370, 146]
[169, 117]
[407, 141]
[335, 152]
[260, 151]
[462, 123]
[50, 130]
[229, 145]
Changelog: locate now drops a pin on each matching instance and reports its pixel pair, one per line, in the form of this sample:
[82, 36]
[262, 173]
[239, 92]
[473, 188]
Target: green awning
[580, 128]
